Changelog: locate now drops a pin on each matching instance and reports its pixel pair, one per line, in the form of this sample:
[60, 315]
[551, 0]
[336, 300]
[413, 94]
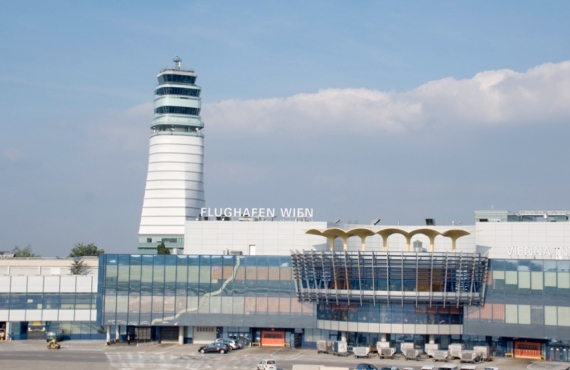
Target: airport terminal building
[279, 278]
[504, 282]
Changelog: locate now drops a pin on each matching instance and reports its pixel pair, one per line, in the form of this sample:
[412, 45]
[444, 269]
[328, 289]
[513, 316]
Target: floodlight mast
[174, 189]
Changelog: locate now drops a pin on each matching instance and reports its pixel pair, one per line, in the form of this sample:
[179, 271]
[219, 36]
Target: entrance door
[204, 334]
[273, 338]
[527, 350]
[169, 334]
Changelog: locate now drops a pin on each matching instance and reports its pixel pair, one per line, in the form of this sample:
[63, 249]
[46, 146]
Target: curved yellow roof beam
[455, 234]
[430, 233]
[361, 232]
[318, 232]
[385, 233]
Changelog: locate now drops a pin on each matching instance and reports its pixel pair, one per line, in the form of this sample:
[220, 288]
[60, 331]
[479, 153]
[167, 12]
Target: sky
[398, 110]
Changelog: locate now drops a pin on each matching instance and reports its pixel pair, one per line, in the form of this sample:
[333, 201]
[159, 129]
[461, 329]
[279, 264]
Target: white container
[440, 355]
[360, 352]
[455, 350]
[431, 348]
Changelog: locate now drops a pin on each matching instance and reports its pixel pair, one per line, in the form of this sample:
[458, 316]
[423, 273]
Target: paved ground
[94, 355]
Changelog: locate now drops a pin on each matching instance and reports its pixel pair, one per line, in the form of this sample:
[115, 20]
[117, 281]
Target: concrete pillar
[108, 333]
[408, 242]
[431, 243]
[431, 339]
[363, 243]
[181, 335]
[117, 328]
[331, 242]
[8, 333]
[383, 337]
[343, 336]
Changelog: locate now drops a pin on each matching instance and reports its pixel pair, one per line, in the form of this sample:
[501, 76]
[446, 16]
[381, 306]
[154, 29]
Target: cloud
[490, 98]
[12, 154]
[127, 130]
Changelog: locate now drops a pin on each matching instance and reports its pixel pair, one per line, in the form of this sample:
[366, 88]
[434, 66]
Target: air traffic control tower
[174, 188]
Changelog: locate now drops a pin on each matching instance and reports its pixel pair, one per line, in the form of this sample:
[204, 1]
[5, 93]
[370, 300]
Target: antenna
[177, 62]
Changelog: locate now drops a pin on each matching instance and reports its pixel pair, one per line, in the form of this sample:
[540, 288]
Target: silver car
[230, 342]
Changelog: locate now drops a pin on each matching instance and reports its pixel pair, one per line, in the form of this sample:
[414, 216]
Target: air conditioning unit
[236, 253]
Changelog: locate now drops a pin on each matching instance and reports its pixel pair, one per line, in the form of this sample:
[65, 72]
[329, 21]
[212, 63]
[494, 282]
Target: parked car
[267, 365]
[215, 347]
[230, 342]
[389, 368]
[366, 367]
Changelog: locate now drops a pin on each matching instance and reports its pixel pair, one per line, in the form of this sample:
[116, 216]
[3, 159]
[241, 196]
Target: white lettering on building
[538, 252]
[256, 212]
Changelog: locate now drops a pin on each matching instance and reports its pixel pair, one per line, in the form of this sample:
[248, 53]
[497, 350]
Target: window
[177, 110]
[177, 78]
[177, 91]
[149, 240]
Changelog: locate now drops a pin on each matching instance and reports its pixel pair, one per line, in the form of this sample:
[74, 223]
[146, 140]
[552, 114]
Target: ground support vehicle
[484, 352]
[52, 344]
[440, 356]
[386, 353]
[468, 367]
[267, 364]
[359, 352]
[412, 354]
[448, 367]
[340, 348]
[324, 346]
[470, 356]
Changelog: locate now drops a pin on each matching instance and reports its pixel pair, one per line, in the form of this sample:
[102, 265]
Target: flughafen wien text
[278, 277]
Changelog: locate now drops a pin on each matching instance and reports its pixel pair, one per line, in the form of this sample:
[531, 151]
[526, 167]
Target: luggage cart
[412, 354]
[360, 352]
[340, 348]
[386, 353]
[470, 356]
[440, 356]
[324, 346]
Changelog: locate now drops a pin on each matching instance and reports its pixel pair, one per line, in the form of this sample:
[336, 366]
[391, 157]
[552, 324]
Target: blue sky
[361, 110]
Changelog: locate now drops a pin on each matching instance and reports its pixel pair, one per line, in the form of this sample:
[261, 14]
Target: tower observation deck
[175, 181]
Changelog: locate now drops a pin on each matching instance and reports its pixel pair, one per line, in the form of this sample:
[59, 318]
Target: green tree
[78, 267]
[24, 252]
[82, 250]
[161, 249]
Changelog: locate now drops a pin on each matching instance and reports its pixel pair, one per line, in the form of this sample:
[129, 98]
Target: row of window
[177, 91]
[176, 78]
[160, 306]
[168, 109]
[47, 301]
[391, 314]
[522, 314]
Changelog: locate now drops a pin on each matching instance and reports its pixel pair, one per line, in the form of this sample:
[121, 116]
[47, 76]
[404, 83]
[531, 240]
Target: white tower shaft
[175, 182]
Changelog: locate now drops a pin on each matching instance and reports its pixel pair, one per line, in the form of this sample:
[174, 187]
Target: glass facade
[436, 278]
[391, 314]
[524, 298]
[256, 291]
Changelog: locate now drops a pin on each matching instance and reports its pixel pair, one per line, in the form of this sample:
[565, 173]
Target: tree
[25, 252]
[78, 267]
[82, 250]
[161, 249]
